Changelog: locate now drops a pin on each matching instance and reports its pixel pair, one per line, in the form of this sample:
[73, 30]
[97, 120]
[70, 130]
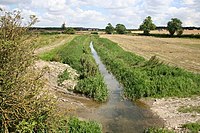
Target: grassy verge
[142, 78]
[78, 55]
[189, 109]
[44, 40]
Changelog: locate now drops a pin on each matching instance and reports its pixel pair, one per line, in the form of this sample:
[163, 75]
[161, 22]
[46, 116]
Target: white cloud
[97, 13]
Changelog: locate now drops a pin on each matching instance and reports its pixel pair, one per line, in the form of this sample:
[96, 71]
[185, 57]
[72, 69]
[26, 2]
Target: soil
[167, 109]
[68, 101]
[184, 53]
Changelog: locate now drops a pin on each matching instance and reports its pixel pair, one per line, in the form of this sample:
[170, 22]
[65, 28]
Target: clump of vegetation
[175, 25]
[120, 29]
[24, 106]
[147, 25]
[189, 109]
[63, 76]
[193, 127]
[77, 126]
[109, 29]
[78, 56]
[95, 33]
[158, 130]
[142, 78]
[69, 30]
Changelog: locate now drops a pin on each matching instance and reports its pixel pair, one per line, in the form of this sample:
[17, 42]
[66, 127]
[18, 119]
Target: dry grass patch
[179, 52]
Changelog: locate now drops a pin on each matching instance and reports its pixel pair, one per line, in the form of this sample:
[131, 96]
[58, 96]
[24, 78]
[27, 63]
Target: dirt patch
[67, 101]
[167, 109]
[184, 53]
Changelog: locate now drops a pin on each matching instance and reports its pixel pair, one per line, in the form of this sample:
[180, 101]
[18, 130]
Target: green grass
[193, 127]
[44, 40]
[142, 78]
[78, 55]
[158, 130]
[189, 109]
[63, 76]
[77, 126]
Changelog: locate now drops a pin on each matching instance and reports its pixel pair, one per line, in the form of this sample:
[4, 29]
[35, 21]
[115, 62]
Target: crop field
[181, 52]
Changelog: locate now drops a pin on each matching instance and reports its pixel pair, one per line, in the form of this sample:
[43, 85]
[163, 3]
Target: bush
[158, 130]
[77, 126]
[69, 31]
[193, 127]
[24, 106]
[96, 33]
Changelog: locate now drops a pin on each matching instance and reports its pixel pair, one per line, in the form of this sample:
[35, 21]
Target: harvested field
[186, 32]
[184, 53]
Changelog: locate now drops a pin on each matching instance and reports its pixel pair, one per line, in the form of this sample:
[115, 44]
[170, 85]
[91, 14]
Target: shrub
[69, 31]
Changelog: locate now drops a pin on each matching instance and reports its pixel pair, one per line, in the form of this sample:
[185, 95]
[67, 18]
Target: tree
[63, 26]
[175, 25]
[147, 25]
[23, 104]
[109, 28]
[120, 28]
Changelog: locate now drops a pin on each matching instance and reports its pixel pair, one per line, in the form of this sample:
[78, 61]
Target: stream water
[119, 115]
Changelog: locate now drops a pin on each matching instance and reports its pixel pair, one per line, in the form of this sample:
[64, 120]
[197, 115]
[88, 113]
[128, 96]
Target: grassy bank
[78, 55]
[142, 78]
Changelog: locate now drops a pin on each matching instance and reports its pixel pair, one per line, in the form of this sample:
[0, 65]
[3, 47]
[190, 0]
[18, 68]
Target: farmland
[184, 53]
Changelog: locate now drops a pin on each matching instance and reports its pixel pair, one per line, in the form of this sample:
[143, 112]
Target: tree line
[173, 26]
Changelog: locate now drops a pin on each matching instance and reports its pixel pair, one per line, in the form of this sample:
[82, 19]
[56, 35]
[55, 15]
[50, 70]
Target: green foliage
[147, 25]
[189, 109]
[63, 76]
[120, 29]
[158, 130]
[93, 87]
[109, 29]
[78, 55]
[77, 126]
[69, 31]
[193, 127]
[24, 105]
[142, 78]
[96, 33]
[175, 25]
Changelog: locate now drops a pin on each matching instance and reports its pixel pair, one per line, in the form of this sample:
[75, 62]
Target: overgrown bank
[78, 55]
[142, 78]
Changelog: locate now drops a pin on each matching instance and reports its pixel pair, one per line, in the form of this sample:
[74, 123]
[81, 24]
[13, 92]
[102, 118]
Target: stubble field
[180, 52]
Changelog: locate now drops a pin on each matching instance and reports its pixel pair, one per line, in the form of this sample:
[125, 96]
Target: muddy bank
[167, 109]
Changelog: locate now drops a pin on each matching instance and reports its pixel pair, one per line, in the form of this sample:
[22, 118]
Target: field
[181, 52]
[186, 32]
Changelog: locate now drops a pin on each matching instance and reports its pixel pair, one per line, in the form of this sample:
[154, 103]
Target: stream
[119, 115]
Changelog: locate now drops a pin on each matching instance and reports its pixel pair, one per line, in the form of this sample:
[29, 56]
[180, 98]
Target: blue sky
[98, 13]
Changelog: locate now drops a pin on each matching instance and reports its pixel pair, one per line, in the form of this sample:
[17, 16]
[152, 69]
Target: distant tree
[109, 28]
[175, 25]
[147, 25]
[120, 28]
[69, 30]
[63, 26]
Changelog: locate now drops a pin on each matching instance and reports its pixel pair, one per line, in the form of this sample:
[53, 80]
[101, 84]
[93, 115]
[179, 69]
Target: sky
[98, 13]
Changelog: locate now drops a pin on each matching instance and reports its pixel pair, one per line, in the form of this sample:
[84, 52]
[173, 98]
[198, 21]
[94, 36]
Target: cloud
[97, 13]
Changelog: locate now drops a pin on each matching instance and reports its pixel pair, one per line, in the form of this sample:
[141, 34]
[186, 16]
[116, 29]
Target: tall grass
[142, 78]
[78, 55]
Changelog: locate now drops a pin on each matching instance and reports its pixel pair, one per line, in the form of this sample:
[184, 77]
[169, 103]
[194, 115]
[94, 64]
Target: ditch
[119, 115]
